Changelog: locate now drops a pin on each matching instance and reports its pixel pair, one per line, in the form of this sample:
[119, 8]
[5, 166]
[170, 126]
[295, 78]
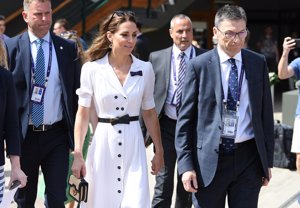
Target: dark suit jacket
[142, 48]
[9, 125]
[161, 62]
[198, 127]
[69, 72]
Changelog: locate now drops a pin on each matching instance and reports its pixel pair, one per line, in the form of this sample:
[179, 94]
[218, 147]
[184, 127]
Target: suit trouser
[238, 176]
[163, 189]
[50, 151]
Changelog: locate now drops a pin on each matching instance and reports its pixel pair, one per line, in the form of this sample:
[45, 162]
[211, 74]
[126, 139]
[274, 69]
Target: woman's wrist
[77, 154]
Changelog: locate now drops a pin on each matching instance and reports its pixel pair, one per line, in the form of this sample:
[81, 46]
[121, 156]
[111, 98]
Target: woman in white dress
[121, 87]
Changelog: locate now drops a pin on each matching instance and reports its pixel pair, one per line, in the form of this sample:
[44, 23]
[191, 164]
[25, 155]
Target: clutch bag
[78, 189]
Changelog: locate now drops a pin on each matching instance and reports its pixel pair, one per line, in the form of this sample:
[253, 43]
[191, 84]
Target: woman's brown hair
[101, 44]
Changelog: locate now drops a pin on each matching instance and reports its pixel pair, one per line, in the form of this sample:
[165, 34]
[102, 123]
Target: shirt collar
[33, 38]
[177, 51]
[224, 57]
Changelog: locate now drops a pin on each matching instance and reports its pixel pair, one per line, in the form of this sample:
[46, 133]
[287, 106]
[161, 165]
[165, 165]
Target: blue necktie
[228, 143]
[39, 75]
[232, 86]
[181, 75]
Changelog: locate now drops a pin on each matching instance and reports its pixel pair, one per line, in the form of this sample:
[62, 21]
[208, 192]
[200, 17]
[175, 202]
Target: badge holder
[229, 124]
[37, 94]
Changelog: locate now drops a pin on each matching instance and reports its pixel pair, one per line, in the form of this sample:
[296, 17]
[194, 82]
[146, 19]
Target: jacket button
[220, 127]
[119, 179]
[117, 108]
[119, 155]
[119, 131]
[122, 109]
[120, 143]
[116, 97]
[119, 167]
[119, 191]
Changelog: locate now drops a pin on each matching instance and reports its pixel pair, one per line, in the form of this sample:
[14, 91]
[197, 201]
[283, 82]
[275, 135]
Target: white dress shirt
[244, 128]
[169, 108]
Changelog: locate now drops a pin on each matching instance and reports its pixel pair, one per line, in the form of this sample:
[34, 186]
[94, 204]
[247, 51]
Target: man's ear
[24, 14]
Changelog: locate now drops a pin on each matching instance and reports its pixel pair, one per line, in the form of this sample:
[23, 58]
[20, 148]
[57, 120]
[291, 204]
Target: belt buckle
[37, 129]
[114, 121]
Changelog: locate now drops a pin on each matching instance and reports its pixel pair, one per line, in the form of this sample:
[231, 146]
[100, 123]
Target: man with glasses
[167, 64]
[224, 133]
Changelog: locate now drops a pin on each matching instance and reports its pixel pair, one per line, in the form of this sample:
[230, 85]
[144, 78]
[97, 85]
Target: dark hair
[230, 12]
[111, 23]
[64, 23]
[2, 18]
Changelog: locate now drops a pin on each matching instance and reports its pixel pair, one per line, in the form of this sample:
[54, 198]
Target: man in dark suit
[166, 64]
[224, 133]
[46, 108]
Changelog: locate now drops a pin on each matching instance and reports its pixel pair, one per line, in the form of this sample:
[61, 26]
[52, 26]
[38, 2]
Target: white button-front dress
[116, 161]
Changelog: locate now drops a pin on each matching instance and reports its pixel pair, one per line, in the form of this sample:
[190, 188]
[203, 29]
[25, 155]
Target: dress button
[119, 191]
[117, 108]
[119, 131]
[119, 155]
[119, 179]
[116, 97]
[120, 143]
[122, 109]
[119, 167]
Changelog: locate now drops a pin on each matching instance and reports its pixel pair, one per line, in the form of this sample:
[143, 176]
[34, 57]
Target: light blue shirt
[52, 99]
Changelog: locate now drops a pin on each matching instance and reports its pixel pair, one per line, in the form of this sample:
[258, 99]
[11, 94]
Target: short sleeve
[295, 65]
[85, 92]
[148, 100]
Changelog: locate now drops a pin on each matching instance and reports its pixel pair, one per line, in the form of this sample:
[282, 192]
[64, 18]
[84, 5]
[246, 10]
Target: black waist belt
[45, 127]
[119, 120]
[238, 145]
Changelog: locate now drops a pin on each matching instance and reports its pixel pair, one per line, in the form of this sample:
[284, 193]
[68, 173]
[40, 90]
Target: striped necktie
[39, 75]
[181, 75]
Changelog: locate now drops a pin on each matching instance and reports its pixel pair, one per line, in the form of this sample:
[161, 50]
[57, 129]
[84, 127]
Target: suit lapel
[249, 76]
[59, 51]
[24, 44]
[167, 69]
[215, 74]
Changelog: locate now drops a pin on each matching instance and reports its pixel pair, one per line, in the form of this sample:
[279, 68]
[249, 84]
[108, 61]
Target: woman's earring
[110, 45]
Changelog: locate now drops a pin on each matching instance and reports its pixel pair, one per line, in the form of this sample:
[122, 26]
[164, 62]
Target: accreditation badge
[229, 124]
[37, 95]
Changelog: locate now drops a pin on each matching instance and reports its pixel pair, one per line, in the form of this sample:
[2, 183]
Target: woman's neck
[118, 61]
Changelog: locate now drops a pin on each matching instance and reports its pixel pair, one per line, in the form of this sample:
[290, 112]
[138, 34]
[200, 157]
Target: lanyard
[174, 65]
[239, 88]
[48, 68]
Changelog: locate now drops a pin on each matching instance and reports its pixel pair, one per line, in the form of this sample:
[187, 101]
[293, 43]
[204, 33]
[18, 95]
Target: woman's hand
[157, 162]
[78, 166]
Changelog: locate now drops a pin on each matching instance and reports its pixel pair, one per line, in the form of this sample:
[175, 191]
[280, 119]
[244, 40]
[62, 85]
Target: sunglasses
[121, 13]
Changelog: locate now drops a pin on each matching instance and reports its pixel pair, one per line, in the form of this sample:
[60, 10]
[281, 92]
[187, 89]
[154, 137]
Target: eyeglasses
[121, 13]
[232, 35]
